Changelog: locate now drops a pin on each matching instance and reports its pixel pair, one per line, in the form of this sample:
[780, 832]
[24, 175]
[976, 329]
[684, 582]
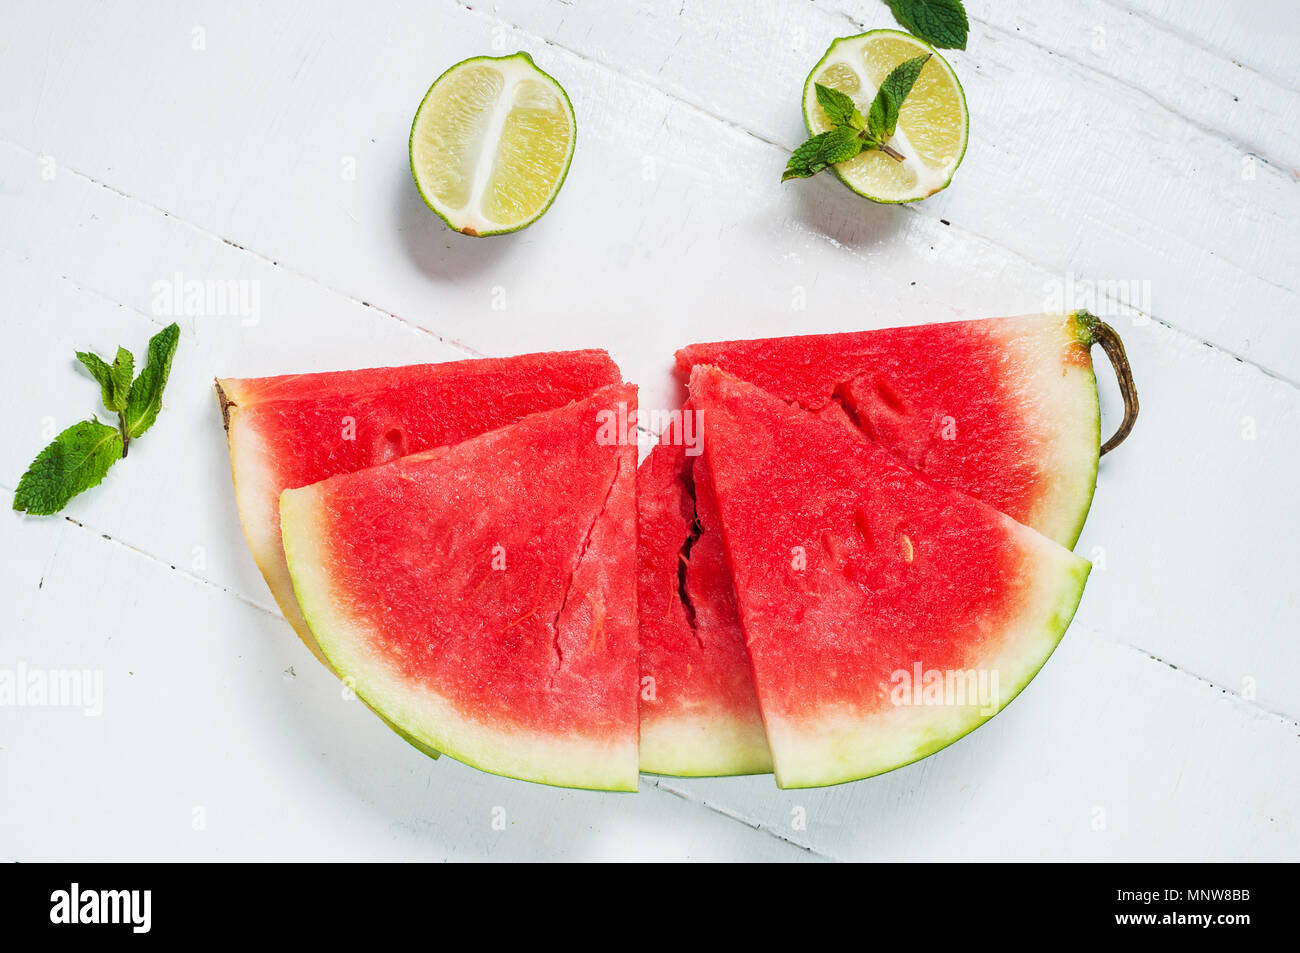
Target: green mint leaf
[836, 145]
[882, 118]
[123, 368]
[76, 460]
[102, 373]
[114, 380]
[839, 108]
[145, 398]
[940, 23]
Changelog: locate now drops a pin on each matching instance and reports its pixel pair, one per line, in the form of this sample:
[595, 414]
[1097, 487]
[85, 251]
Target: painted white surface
[1111, 141]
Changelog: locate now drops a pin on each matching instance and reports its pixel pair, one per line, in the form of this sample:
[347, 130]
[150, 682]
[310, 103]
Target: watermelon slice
[295, 430]
[1004, 409]
[699, 714]
[855, 575]
[482, 596]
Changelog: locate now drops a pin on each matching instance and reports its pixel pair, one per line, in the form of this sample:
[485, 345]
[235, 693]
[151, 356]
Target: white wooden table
[1112, 141]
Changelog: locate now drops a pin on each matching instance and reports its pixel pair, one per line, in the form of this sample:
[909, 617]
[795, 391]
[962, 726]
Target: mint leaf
[836, 145]
[115, 380]
[940, 23]
[882, 118]
[123, 368]
[76, 460]
[145, 398]
[839, 108]
[102, 372]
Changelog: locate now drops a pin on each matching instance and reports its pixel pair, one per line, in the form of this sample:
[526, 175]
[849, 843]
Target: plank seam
[1194, 41]
[144, 554]
[685, 795]
[1252, 706]
[260, 256]
[1277, 165]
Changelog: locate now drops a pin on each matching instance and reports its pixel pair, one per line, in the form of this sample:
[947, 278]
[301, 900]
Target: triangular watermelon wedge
[481, 597]
[295, 430]
[699, 714]
[855, 577]
[1004, 409]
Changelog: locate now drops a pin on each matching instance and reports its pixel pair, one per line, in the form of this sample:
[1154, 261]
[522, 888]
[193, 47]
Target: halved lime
[491, 144]
[932, 123]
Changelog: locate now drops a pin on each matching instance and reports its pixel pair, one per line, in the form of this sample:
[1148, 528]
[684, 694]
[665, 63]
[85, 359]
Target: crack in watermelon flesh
[849, 568]
[1004, 409]
[294, 430]
[482, 596]
[597, 609]
[699, 715]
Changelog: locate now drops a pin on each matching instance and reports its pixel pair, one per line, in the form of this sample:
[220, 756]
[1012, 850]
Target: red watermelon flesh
[295, 430]
[1004, 409]
[481, 597]
[699, 715]
[853, 574]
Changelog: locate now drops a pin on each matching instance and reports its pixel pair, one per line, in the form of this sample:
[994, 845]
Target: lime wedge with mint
[932, 122]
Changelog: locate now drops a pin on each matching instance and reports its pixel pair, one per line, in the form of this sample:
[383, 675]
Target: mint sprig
[80, 457]
[852, 133]
[940, 23]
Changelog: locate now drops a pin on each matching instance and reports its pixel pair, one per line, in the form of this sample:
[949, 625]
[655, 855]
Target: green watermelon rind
[515, 755]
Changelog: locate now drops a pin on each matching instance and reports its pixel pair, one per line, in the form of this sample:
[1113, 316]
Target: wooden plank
[1261, 36]
[1254, 111]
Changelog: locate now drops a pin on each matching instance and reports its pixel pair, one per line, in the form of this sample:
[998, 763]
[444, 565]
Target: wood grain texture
[128, 157]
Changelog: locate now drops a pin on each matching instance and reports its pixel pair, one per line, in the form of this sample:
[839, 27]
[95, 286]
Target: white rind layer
[702, 746]
[1048, 355]
[257, 498]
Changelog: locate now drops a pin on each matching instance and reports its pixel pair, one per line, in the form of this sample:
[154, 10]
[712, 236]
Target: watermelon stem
[1108, 338]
